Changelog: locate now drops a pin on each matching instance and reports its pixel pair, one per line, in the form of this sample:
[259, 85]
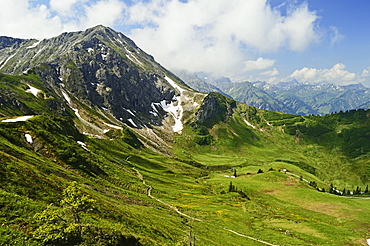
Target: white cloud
[105, 12]
[258, 64]
[299, 27]
[366, 72]
[64, 7]
[218, 36]
[335, 35]
[337, 74]
[270, 73]
[21, 19]
[365, 77]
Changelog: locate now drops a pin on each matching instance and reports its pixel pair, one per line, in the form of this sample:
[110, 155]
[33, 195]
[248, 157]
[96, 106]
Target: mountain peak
[288, 85]
[101, 30]
[102, 69]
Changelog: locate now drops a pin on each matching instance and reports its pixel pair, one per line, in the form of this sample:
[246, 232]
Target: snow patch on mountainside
[83, 145]
[175, 111]
[132, 122]
[28, 138]
[10, 57]
[68, 99]
[131, 57]
[21, 118]
[113, 126]
[249, 124]
[33, 90]
[129, 111]
[174, 85]
[34, 45]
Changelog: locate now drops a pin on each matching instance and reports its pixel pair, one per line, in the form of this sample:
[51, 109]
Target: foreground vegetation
[244, 178]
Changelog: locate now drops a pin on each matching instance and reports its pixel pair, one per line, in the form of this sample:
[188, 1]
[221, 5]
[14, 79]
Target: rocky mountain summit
[102, 70]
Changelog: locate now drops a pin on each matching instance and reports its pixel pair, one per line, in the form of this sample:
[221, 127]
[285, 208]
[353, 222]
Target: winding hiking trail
[140, 176]
[170, 206]
[252, 238]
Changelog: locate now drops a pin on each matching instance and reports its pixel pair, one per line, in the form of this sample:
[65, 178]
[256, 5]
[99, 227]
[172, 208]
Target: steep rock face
[101, 69]
[215, 108]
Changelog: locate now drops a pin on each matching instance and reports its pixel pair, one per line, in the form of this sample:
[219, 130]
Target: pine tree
[357, 191]
[231, 187]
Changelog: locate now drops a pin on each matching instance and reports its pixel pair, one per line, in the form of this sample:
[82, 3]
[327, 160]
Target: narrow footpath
[140, 176]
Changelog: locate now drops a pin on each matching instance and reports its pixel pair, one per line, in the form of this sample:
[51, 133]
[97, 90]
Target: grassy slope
[282, 209]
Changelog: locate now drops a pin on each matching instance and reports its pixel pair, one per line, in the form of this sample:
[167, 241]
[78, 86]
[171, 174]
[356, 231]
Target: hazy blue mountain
[290, 96]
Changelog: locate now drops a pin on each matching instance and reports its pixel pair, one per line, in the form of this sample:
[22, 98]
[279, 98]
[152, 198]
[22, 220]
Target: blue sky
[312, 41]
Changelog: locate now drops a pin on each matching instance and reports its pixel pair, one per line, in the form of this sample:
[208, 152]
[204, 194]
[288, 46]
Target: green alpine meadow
[101, 145]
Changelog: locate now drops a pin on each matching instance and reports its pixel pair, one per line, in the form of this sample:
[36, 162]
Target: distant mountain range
[290, 97]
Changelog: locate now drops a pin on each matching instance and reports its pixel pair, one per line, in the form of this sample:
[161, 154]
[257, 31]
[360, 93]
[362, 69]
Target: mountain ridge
[288, 97]
[103, 69]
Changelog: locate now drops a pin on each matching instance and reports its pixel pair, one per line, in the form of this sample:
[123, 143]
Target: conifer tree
[231, 187]
[349, 192]
[358, 190]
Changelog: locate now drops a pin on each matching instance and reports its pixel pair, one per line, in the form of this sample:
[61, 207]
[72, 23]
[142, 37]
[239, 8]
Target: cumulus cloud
[218, 36]
[64, 7]
[258, 64]
[105, 12]
[270, 73]
[365, 77]
[337, 74]
[20, 18]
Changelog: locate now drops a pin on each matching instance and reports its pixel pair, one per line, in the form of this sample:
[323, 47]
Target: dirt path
[149, 193]
[252, 238]
[170, 206]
